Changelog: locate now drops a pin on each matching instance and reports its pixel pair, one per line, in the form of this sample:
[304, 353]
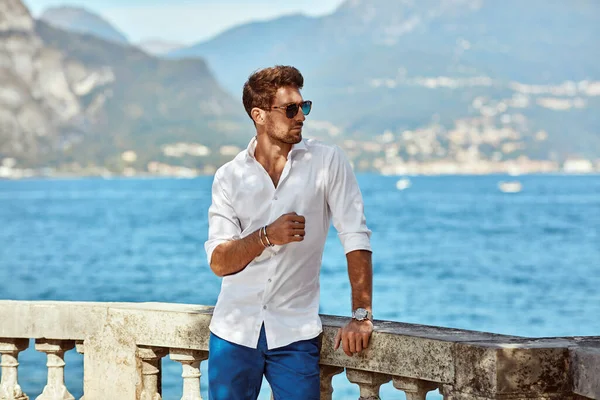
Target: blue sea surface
[449, 251]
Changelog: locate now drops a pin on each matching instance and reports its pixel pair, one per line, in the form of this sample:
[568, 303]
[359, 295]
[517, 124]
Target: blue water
[449, 251]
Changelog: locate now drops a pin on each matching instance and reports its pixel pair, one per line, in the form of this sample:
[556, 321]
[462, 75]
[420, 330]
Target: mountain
[80, 20]
[511, 39]
[159, 47]
[476, 68]
[72, 102]
[234, 58]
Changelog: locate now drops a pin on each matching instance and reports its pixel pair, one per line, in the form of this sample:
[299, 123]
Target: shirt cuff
[211, 245]
[355, 241]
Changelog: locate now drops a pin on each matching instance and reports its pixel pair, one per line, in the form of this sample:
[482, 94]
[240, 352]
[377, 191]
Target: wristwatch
[360, 314]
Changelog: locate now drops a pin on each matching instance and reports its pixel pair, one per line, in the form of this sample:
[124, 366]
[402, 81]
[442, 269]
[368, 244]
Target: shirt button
[264, 307]
[269, 281]
[275, 198]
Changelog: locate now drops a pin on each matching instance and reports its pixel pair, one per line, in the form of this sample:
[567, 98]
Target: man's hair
[261, 87]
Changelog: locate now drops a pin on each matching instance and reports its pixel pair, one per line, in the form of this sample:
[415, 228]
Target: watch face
[360, 314]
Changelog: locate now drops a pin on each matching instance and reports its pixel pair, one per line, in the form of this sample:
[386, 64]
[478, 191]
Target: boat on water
[510, 187]
[403, 184]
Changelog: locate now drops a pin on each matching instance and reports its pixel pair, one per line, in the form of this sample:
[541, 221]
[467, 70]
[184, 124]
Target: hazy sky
[186, 21]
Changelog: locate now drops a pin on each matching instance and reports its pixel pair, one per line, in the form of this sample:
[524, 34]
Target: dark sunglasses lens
[291, 110]
[306, 106]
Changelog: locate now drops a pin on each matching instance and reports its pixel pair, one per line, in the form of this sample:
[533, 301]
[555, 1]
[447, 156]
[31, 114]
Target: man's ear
[259, 116]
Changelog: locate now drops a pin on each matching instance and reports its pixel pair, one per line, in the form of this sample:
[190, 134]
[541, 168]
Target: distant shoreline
[170, 177]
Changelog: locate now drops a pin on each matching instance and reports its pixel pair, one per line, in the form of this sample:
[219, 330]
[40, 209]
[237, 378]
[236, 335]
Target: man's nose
[300, 116]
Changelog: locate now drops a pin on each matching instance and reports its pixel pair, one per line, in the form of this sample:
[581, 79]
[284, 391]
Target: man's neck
[271, 154]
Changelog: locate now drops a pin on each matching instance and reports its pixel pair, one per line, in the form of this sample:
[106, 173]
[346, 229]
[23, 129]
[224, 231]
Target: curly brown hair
[262, 85]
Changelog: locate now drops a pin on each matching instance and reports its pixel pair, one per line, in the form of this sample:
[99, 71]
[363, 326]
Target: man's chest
[301, 189]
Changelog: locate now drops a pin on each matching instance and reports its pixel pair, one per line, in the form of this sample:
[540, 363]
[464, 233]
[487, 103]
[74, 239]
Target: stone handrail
[123, 344]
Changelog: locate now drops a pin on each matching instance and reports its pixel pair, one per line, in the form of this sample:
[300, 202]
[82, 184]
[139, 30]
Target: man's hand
[354, 337]
[286, 229]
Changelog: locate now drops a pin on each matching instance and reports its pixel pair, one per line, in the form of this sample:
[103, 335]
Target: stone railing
[123, 344]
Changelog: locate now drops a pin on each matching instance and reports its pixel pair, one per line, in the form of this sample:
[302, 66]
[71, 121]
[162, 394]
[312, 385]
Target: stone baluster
[448, 392]
[327, 374]
[9, 386]
[151, 371]
[190, 360]
[79, 347]
[415, 389]
[55, 349]
[368, 382]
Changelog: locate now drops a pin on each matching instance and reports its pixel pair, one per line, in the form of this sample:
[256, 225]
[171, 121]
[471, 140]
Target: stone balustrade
[123, 343]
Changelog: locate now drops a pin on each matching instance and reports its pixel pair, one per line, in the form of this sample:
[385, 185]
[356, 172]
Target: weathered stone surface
[585, 362]
[57, 320]
[466, 364]
[525, 368]
[55, 388]
[152, 324]
[327, 372]
[111, 366]
[9, 355]
[368, 382]
[190, 361]
[413, 351]
[415, 389]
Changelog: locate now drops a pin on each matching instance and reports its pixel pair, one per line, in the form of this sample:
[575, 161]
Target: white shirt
[280, 288]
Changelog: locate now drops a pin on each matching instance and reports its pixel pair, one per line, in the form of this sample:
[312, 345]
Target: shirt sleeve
[346, 204]
[223, 223]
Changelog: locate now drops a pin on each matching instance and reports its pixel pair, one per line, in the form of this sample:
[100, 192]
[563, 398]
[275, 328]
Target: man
[270, 213]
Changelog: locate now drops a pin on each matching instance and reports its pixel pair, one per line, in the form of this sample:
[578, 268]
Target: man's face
[279, 126]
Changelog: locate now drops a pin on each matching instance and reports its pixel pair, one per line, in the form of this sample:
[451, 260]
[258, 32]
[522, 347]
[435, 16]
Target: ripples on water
[449, 251]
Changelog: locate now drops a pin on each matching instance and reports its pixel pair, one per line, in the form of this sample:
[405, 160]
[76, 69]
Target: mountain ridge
[72, 101]
[409, 64]
[82, 20]
[433, 87]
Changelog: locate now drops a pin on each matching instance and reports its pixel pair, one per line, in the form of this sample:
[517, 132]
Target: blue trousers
[236, 372]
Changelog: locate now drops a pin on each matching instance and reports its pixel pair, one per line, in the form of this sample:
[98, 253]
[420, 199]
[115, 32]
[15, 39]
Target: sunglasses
[291, 110]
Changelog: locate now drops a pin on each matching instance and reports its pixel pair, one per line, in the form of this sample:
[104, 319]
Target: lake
[450, 251]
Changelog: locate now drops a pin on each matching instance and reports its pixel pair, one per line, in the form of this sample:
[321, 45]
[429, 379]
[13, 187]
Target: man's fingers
[346, 345]
[351, 342]
[358, 344]
[365, 341]
[338, 339]
[298, 219]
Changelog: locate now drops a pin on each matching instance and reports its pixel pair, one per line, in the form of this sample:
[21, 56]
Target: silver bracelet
[267, 237]
[260, 238]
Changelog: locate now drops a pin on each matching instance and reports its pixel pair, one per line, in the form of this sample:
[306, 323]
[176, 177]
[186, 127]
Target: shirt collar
[253, 142]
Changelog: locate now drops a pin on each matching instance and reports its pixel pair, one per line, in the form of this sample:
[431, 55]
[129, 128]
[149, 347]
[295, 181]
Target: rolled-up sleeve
[223, 224]
[346, 204]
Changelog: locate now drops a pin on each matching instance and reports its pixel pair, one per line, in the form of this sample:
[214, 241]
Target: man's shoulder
[229, 167]
[316, 145]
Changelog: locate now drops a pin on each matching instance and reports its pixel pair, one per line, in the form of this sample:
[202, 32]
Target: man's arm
[354, 337]
[233, 256]
[360, 271]
[346, 203]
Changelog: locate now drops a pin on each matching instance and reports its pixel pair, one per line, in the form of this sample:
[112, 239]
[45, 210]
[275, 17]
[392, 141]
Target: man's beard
[288, 137]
